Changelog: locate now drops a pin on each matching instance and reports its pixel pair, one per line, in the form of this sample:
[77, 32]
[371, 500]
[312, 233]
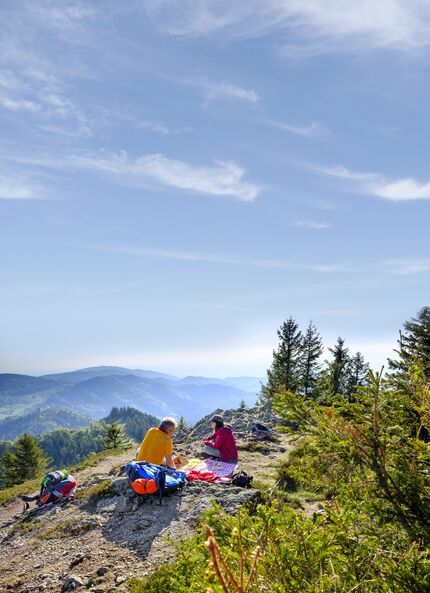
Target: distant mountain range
[95, 391]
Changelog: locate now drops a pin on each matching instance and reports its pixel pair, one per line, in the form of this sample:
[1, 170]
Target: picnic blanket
[210, 470]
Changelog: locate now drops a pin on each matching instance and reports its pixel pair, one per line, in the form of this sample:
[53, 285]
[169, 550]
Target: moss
[99, 490]
[13, 492]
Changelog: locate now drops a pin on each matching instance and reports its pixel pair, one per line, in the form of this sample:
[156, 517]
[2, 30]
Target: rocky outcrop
[241, 420]
[110, 533]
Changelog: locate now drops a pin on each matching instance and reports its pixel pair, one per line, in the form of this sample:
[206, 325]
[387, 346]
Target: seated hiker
[221, 443]
[157, 446]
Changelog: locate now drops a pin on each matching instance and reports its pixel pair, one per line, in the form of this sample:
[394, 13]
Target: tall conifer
[356, 375]
[414, 344]
[285, 369]
[333, 379]
[312, 348]
[115, 437]
[25, 462]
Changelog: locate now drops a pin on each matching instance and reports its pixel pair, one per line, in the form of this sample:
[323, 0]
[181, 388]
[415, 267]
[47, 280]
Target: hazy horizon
[178, 178]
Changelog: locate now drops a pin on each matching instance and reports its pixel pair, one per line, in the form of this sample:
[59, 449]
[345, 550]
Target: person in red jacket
[221, 443]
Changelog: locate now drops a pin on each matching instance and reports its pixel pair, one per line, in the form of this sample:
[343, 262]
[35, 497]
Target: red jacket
[223, 439]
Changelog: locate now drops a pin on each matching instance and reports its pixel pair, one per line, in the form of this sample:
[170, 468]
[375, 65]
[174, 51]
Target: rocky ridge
[109, 534]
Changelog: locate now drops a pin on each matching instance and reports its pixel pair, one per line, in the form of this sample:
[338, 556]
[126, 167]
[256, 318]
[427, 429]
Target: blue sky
[179, 177]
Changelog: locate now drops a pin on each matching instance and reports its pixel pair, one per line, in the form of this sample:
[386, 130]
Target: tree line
[297, 367]
[29, 456]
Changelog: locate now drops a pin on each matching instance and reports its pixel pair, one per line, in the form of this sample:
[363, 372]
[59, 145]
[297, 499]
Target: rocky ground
[109, 534]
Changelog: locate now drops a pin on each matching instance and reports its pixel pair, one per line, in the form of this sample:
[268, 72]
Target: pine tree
[25, 462]
[181, 423]
[285, 368]
[312, 348]
[333, 379]
[8, 474]
[414, 344]
[356, 375]
[115, 437]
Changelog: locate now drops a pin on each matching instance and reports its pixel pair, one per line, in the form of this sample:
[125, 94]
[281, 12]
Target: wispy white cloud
[19, 104]
[224, 178]
[376, 184]
[229, 91]
[161, 128]
[313, 26]
[310, 224]
[311, 130]
[154, 126]
[220, 90]
[406, 266]
[43, 97]
[12, 188]
[220, 259]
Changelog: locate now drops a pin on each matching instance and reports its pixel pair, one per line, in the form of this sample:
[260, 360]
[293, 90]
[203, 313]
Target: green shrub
[282, 551]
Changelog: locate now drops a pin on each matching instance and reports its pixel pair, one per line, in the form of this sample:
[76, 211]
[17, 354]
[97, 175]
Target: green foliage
[67, 447]
[185, 574]
[371, 451]
[414, 345]
[181, 423]
[23, 462]
[333, 380]
[279, 550]
[357, 372]
[136, 423]
[115, 437]
[311, 350]
[41, 420]
[285, 368]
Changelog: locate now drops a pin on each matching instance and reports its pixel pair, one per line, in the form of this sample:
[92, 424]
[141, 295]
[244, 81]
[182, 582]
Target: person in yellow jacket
[157, 446]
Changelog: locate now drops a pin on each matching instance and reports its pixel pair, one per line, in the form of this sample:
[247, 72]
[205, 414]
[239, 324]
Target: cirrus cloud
[376, 184]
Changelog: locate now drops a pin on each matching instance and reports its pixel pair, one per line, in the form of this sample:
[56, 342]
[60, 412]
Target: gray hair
[166, 423]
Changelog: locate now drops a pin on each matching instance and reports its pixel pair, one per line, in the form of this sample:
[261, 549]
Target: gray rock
[120, 579]
[122, 504]
[71, 582]
[106, 505]
[120, 486]
[101, 571]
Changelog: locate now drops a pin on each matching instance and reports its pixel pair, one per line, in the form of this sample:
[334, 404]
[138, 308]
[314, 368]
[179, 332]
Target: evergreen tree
[333, 379]
[312, 348]
[181, 423]
[414, 344]
[285, 369]
[115, 437]
[242, 404]
[25, 462]
[356, 375]
[8, 475]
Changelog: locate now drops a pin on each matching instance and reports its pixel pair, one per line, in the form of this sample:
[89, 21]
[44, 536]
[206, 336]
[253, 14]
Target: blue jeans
[211, 451]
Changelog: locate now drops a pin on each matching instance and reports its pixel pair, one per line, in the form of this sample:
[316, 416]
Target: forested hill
[40, 421]
[64, 447]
